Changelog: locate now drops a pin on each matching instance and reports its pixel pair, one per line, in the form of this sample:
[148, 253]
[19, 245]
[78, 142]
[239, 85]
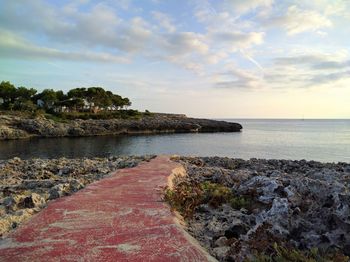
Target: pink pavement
[119, 218]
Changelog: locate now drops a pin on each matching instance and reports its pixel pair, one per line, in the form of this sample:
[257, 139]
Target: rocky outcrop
[300, 205]
[27, 185]
[15, 127]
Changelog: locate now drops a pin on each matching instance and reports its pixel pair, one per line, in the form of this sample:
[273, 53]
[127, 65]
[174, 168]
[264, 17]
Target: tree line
[92, 99]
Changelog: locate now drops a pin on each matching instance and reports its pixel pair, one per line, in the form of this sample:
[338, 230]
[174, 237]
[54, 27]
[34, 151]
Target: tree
[61, 96]
[25, 93]
[126, 102]
[78, 93]
[49, 96]
[7, 91]
[75, 104]
[117, 101]
[99, 97]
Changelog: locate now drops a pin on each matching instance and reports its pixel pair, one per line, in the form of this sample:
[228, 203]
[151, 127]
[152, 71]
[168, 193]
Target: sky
[215, 59]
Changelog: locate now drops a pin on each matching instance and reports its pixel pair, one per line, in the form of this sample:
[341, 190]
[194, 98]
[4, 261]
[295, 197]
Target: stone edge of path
[179, 220]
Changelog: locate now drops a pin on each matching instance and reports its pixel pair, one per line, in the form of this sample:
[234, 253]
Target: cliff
[17, 127]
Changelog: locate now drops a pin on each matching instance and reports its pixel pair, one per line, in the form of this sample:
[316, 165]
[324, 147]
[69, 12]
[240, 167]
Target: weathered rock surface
[303, 204]
[27, 185]
[14, 127]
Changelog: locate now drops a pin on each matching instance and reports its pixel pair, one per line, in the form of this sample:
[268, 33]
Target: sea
[311, 139]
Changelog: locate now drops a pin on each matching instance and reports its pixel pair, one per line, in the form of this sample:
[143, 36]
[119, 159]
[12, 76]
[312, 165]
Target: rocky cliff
[15, 127]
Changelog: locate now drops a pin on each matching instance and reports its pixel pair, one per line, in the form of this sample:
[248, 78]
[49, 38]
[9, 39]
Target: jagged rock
[303, 203]
[221, 251]
[58, 191]
[276, 216]
[32, 201]
[2, 210]
[265, 186]
[221, 241]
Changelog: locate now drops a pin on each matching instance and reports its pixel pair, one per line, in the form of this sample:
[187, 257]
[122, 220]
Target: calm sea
[321, 140]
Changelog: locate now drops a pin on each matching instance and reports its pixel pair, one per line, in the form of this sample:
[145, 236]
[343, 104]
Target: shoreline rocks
[15, 127]
[299, 205]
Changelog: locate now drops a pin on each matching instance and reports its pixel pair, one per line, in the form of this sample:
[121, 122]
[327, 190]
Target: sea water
[320, 140]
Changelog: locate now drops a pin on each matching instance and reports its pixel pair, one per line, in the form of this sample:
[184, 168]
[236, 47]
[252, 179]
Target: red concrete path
[120, 218]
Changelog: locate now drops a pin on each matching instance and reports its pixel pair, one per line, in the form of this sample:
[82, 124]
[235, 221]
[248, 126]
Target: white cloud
[297, 21]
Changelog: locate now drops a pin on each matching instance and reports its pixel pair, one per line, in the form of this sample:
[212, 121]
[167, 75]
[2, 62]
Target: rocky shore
[27, 185]
[266, 210]
[16, 127]
[239, 210]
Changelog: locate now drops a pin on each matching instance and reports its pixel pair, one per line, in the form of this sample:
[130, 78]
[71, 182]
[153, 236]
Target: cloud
[330, 77]
[238, 39]
[164, 21]
[98, 26]
[297, 71]
[248, 5]
[85, 25]
[12, 46]
[235, 77]
[185, 42]
[297, 21]
[223, 32]
[309, 70]
[321, 61]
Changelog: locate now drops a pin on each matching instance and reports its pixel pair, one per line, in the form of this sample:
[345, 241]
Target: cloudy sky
[229, 58]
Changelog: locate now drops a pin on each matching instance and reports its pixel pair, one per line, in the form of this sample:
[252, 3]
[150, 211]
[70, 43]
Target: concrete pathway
[120, 218]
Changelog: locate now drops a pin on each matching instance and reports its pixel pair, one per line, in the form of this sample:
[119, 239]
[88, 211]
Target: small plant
[238, 202]
[184, 197]
[216, 194]
[187, 195]
[281, 253]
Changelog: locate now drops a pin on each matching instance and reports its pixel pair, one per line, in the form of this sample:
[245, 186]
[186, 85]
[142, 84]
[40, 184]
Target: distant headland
[89, 111]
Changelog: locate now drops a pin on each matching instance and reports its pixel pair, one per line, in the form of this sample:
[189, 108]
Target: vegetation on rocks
[266, 210]
[187, 195]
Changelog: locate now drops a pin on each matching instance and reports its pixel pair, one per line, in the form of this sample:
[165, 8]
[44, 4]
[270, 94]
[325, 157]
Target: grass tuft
[187, 195]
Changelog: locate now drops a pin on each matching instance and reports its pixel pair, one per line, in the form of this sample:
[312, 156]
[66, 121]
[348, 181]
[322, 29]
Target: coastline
[17, 127]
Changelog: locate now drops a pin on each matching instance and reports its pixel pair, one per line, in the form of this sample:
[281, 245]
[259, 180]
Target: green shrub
[120, 114]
